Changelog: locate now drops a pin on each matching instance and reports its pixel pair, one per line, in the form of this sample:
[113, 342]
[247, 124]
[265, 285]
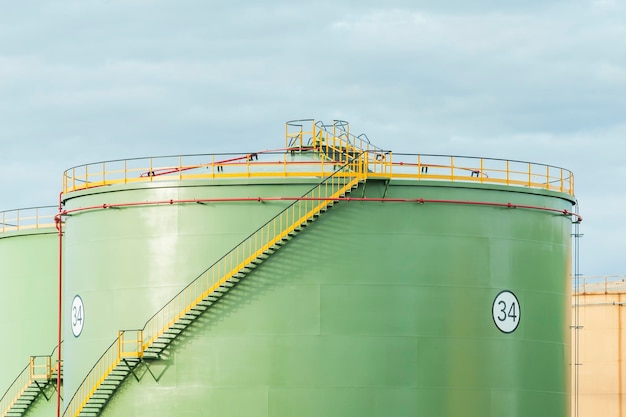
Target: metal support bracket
[41, 388]
[132, 369]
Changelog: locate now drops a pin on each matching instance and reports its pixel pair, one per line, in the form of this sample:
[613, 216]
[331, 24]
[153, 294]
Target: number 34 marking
[78, 316]
[506, 312]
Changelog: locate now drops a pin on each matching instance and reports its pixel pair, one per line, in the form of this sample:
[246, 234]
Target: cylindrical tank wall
[377, 309]
[28, 301]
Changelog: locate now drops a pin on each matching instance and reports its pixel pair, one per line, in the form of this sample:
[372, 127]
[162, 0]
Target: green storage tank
[28, 302]
[423, 285]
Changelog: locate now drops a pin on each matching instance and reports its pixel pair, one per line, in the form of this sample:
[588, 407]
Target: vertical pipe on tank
[577, 280]
[59, 226]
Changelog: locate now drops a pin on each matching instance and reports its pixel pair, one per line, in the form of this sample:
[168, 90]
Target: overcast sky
[543, 81]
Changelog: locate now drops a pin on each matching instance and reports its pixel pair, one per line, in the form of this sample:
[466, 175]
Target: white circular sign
[78, 316]
[506, 311]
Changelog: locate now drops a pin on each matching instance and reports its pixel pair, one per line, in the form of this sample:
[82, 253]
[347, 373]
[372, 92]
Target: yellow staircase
[131, 347]
[30, 384]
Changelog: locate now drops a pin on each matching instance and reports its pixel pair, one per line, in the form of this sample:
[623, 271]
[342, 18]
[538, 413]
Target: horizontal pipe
[360, 199]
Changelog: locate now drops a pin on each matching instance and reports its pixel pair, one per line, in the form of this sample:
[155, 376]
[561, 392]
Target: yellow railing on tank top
[32, 218]
[331, 143]
[133, 343]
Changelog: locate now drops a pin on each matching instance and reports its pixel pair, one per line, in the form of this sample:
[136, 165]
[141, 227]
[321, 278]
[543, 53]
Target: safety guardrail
[308, 133]
[236, 260]
[263, 164]
[31, 218]
[334, 140]
[481, 170]
[601, 284]
[333, 144]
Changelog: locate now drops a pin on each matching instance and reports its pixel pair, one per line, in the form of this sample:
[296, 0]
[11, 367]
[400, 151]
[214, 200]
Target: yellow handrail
[243, 255]
[96, 376]
[332, 144]
[601, 284]
[31, 218]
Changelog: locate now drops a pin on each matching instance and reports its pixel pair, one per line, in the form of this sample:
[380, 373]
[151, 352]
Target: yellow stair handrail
[254, 246]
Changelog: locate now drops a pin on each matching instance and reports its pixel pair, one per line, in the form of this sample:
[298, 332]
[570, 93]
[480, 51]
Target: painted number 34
[506, 312]
[511, 313]
[78, 316]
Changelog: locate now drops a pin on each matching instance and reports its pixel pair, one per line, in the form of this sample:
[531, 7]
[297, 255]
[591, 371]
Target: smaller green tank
[28, 307]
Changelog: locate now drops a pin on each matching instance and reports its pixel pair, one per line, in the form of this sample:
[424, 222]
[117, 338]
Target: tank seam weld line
[564, 212]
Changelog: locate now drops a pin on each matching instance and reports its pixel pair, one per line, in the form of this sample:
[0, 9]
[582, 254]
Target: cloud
[544, 81]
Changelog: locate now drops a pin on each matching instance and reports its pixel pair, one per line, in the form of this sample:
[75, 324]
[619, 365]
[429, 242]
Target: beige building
[599, 347]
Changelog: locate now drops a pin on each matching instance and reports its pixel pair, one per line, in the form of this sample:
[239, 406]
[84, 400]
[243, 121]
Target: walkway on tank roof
[314, 149]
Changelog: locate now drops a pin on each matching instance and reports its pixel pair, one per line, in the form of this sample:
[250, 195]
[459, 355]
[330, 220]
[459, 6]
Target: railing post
[482, 168]
[120, 336]
[139, 344]
[507, 173]
[419, 167]
[452, 168]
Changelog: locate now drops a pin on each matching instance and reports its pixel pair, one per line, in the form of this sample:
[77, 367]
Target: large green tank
[28, 305]
[430, 293]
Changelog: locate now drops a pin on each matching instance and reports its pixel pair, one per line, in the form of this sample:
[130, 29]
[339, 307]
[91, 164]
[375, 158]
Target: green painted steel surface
[28, 303]
[126, 263]
[377, 309]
